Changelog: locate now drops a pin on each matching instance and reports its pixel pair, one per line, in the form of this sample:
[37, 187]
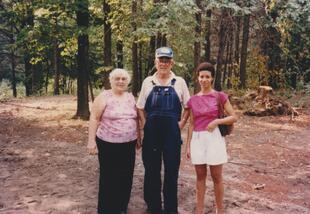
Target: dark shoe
[157, 211]
[170, 212]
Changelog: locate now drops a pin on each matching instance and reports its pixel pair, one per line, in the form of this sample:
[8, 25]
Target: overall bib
[162, 141]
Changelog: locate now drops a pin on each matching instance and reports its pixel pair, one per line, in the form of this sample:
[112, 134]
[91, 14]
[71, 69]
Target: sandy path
[44, 167]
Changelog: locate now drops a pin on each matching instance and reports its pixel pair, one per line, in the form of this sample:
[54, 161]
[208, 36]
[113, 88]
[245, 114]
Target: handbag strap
[219, 104]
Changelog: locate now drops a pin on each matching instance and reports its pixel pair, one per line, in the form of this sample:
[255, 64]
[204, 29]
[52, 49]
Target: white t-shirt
[179, 86]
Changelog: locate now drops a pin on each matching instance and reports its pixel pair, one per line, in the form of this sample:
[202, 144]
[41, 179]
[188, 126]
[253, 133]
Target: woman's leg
[216, 174]
[127, 160]
[201, 175]
[104, 199]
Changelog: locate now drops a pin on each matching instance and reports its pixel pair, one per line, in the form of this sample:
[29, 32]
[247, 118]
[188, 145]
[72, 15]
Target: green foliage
[54, 22]
[257, 73]
[293, 22]
[302, 86]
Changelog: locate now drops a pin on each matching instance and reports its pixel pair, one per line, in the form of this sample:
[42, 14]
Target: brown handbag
[224, 128]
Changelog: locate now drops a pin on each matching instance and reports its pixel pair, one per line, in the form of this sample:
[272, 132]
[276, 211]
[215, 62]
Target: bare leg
[201, 175]
[216, 174]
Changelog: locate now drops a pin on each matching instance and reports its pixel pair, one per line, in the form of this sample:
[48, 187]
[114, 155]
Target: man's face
[163, 64]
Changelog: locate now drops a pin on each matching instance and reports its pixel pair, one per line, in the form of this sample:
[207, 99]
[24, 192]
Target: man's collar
[154, 77]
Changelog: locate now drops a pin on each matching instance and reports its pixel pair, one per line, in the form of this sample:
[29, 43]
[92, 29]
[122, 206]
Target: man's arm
[184, 118]
[141, 116]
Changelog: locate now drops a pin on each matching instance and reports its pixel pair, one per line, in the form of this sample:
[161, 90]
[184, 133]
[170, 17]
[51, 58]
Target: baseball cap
[164, 52]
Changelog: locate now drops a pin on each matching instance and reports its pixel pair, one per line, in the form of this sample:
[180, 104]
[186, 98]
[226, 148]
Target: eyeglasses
[164, 60]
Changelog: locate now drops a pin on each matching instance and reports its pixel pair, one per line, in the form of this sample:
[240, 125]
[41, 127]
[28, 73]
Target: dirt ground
[44, 167]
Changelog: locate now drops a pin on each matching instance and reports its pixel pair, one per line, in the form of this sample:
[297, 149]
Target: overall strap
[173, 82]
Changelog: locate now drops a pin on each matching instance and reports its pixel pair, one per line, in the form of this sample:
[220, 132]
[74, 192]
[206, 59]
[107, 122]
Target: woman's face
[205, 79]
[119, 82]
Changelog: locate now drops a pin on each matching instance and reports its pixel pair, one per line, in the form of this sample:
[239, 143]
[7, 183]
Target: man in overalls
[160, 108]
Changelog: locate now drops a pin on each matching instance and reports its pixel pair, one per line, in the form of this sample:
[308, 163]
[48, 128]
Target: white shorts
[208, 148]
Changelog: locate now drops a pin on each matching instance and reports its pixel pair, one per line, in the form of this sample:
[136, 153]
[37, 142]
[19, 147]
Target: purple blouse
[205, 108]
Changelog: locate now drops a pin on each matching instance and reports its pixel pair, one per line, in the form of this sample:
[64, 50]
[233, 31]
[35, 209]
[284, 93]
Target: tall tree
[56, 59]
[27, 23]
[151, 53]
[82, 18]
[119, 54]
[152, 47]
[197, 43]
[107, 35]
[207, 37]
[237, 38]
[13, 63]
[244, 50]
[135, 69]
[221, 48]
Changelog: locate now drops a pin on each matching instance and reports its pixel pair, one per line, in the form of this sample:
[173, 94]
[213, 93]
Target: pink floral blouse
[118, 121]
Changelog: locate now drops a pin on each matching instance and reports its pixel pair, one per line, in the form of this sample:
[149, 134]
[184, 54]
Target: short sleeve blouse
[205, 108]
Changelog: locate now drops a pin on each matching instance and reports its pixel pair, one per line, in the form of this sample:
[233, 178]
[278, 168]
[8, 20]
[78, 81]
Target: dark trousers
[116, 162]
[162, 142]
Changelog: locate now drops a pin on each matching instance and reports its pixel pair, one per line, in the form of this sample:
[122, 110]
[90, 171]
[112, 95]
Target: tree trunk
[134, 48]
[158, 40]
[140, 64]
[244, 50]
[228, 53]
[82, 60]
[12, 41]
[119, 54]
[161, 40]
[222, 42]
[37, 78]
[226, 62]
[164, 40]
[91, 90]
[56, 67]
[197, 45]
[237, 35]
[230, 61]
[47, 73]
[64, 84]
[13, 74]
[151, 56]
[207, 37]
[107, 58]
[28, 75]
[28, 22]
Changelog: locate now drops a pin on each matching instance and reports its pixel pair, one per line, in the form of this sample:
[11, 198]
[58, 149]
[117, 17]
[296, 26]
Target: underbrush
[6, 91]
[297, 98]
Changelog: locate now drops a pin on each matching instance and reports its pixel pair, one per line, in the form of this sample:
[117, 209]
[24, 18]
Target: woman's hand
[212, 125]
[92, 148]
[181, 124]
[92, 151]
[139, 143]
[188, 153]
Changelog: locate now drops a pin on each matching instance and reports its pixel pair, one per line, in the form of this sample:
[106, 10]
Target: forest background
[69, 47]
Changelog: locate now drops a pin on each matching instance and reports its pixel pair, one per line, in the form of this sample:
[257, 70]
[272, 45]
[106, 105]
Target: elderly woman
[205, 144]
[113, 131]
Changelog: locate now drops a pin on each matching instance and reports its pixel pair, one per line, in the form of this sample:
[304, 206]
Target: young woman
[205, 144]
[113, 132]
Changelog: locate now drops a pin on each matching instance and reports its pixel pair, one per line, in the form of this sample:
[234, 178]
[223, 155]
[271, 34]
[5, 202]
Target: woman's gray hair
[117, 71]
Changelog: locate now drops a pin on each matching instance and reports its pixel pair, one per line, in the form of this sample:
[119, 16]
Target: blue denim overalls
[162, 140]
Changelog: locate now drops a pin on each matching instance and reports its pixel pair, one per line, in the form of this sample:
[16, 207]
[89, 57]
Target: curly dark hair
[205, 66]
